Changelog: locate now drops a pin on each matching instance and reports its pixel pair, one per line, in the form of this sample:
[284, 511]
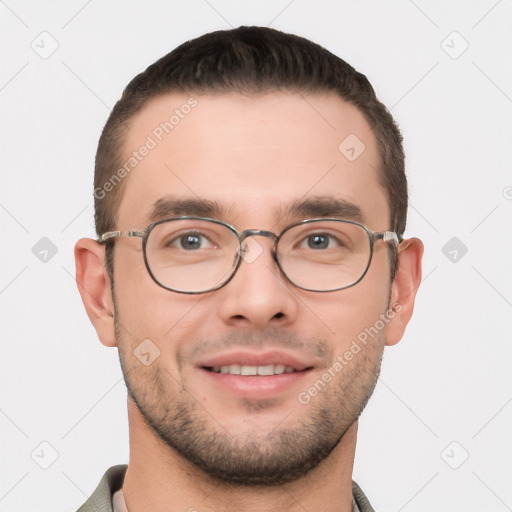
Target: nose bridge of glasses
[248, 253]
[256, 232]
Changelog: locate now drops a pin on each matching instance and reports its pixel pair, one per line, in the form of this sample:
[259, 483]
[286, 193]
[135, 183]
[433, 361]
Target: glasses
[198, 255]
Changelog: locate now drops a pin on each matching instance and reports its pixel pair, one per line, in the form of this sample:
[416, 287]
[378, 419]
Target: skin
[249, 153]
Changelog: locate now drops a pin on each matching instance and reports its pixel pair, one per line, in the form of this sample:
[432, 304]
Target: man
[250, 268]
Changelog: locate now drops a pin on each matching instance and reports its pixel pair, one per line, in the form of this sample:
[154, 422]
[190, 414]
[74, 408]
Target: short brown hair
[255, 60]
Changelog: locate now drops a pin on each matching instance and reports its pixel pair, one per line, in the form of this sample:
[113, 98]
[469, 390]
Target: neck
[158, 476]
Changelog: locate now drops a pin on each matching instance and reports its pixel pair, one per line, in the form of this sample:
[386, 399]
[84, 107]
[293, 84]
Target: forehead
[251, 156]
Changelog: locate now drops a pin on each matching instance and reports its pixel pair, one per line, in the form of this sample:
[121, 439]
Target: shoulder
[360, 499]
[101, 499]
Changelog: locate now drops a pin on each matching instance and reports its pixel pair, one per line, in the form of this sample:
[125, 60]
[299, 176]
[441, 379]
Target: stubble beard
[284, 454]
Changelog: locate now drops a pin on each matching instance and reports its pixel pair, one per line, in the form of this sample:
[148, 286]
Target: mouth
[255, 375]
[250, 370]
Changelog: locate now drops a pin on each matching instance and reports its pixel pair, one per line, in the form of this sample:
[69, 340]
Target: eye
[320, 241]
[191, 242]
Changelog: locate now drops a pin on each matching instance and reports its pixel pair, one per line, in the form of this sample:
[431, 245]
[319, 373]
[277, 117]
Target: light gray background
[444, 392]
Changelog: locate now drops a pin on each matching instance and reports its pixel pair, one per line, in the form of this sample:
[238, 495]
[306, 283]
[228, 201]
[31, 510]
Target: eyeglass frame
[386, 236]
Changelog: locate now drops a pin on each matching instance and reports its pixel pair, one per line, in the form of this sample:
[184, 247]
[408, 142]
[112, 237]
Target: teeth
[266, 370]
[245, 369]
[233, 369]
[249, 370]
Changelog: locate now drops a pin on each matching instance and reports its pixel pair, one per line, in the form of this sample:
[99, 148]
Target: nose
[258, 295]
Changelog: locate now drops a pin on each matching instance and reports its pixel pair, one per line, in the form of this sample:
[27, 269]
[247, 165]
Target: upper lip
[256, 359]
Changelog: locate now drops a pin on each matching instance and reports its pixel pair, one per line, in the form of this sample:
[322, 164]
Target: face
[254, 158]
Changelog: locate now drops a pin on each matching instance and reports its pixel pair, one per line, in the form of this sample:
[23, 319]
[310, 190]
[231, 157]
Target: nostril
[278, 315]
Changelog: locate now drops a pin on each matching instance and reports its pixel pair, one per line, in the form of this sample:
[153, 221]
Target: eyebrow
[320, 206]
[167, 207]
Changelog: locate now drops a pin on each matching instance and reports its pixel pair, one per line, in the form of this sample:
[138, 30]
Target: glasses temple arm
[389, 236]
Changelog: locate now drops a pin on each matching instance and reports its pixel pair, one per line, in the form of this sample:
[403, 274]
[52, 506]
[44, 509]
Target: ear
[404, 288]
[94, 286]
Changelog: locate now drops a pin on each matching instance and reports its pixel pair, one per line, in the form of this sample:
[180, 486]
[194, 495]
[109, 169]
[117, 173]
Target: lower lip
[257, 387]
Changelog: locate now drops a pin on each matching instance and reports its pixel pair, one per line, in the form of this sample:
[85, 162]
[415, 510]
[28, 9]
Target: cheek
[143, 306]
[148, 311]
[346, 314]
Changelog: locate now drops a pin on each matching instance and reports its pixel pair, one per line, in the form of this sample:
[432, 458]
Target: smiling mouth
[248, 370]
